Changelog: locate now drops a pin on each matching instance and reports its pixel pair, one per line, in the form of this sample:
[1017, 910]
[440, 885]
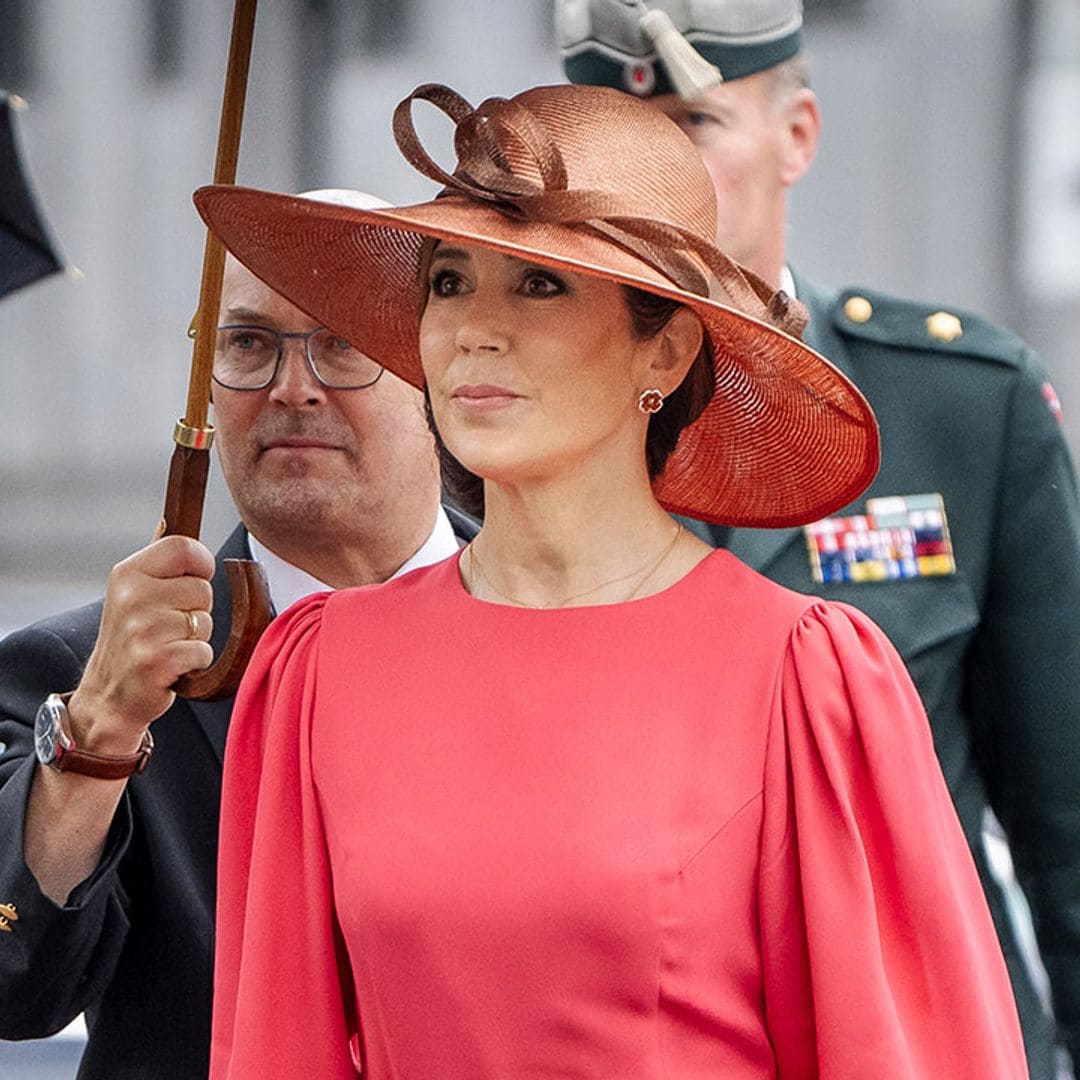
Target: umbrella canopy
[26, 249]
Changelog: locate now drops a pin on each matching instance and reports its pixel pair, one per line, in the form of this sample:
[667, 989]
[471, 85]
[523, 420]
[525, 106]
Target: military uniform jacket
[994, 648]
[133, 946]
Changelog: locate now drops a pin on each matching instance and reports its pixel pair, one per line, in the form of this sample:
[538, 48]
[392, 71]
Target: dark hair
[649, 314]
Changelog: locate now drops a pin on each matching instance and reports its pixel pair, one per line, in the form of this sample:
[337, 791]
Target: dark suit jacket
[994, 649]
[133, 947]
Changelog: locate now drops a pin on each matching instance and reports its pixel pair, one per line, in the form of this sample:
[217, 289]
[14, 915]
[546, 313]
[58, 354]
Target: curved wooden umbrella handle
[251, 614]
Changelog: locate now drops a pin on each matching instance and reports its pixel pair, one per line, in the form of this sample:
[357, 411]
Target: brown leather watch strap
[69, 758]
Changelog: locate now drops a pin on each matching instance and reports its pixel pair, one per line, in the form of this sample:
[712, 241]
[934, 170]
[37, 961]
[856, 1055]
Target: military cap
[604, 44]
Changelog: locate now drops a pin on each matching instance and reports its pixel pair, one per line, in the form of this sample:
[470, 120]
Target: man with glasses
[107, 884]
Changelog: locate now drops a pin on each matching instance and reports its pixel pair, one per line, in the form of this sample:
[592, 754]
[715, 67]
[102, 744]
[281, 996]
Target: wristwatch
[56, 748]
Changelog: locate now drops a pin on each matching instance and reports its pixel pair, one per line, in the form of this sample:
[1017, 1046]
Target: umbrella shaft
[228, 150]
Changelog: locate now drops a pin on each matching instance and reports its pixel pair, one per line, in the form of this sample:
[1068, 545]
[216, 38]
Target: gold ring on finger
[193, 624]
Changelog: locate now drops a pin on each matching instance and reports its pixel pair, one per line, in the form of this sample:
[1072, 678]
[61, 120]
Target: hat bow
[500, 143]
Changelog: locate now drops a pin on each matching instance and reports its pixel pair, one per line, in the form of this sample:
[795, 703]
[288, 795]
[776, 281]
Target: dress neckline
[637, 602]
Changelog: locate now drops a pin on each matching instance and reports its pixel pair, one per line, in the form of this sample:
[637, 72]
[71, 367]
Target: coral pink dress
[697, 836]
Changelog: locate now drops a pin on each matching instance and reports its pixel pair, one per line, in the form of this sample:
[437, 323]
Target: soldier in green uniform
[966, 549]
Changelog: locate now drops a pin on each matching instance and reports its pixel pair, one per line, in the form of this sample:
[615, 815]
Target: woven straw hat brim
[785, 440]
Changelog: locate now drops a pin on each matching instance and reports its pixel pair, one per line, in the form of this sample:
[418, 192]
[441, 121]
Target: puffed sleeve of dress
[879, 956]
[278, 958]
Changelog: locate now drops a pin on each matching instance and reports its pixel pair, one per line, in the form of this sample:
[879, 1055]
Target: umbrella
[26, 249]
[193, 435]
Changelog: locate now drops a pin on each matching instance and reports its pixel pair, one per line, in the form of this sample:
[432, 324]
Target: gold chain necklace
[477, 572]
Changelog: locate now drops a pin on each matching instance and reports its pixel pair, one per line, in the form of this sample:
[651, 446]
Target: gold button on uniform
[858, 309]
[943, 326]
[8, 915]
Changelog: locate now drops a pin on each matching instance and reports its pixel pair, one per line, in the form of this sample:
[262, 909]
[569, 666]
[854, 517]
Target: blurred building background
[949, 170]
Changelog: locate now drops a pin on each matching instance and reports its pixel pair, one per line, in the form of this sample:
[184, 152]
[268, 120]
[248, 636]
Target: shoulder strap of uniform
[888, 320]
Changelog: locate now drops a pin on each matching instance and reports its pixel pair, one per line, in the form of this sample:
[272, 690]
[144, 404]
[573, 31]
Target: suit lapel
[464, 526]
[759, 548]
[213, 716]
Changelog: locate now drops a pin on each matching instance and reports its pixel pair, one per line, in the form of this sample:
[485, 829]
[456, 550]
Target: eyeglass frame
[282, 337]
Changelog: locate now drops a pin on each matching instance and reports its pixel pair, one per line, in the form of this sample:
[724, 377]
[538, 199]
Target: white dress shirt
[787, 281]
[289, 583]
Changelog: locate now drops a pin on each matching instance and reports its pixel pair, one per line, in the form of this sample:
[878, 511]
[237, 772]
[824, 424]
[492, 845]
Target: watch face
[46, 725]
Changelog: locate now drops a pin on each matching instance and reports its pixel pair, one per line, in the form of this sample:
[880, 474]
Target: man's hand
[154, 627]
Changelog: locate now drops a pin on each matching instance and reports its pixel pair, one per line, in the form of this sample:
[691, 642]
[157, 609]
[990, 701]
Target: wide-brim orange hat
[592, 181]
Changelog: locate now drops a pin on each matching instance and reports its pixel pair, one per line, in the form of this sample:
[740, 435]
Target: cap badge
[639, 77]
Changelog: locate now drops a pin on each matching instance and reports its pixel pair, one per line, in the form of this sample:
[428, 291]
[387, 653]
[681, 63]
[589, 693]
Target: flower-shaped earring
[651, 401]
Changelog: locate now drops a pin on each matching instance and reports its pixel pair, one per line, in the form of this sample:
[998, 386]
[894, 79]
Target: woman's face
[530, 370]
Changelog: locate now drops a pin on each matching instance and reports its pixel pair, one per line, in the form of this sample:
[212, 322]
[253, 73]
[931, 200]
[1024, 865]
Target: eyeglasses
[248, 358]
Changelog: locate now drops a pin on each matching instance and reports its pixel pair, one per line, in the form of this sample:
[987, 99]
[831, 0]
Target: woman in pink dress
[590, 799]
